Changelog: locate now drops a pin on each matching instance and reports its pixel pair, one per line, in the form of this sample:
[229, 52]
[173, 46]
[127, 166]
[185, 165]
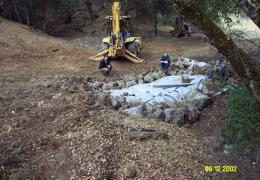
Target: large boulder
[115, 103]
[140, 81]
[121, 84]
[156, 75]
[97, 84]
[197, 99]
[134, 111]
[158, 114]
[178, 64]
[185, 79]
[140, 76]
[134, 103]
[131, 83]
[193, 114]
[108, 86]
[199, 70]
[174, 116]
[104, 98]
[129, 78]
[130, 171]
[148, 78]
[209, 87]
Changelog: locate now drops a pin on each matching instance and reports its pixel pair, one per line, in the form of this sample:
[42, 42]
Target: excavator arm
[116, 43]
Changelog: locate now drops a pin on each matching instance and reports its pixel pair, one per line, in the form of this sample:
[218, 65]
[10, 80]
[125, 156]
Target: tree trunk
[155, 18]
[19, 19]
[178, 27]
[242, 64]
[251, 11]
[27, 16]
[45, 14]
[89, 6]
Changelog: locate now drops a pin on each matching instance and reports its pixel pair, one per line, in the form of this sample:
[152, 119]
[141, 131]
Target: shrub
[242, 127]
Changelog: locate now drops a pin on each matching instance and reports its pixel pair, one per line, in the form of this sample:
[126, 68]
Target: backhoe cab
[120, 41]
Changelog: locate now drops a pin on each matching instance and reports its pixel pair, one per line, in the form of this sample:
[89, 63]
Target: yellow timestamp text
[221, 169]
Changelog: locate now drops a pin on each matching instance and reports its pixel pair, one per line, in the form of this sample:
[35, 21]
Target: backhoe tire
[134, 48]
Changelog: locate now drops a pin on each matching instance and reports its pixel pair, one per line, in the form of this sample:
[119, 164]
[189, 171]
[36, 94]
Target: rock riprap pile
[177, 98]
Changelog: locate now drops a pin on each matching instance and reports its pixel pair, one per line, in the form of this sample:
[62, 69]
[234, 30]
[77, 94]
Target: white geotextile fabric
[147, 93]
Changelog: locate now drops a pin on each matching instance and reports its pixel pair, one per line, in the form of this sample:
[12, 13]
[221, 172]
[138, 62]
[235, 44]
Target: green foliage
[68, 5]
[219, 10]
[243, 125]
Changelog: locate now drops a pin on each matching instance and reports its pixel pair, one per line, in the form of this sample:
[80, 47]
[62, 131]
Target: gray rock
[173, 73]
[40, 103]
[162, 105]
[172, 104]
[174, 116]
[185, 79]
[158, 114]
[156, 75]
[115, 102]
[186, 62]
[190, 72]
[104, 98]
[125, 94]
[122, 99]
[148, 78]
[131, 83]
[199, 70]
[121, 84]
[16, 143]
[107, 86]
[208, 87]
[218, 146]
[134, 103]
[46, 84]
[147, 109]
[130, 171]
[140, 81]
[193, 114]
[33, 80]
[228, 149]
[140, 76]
[134, 111]
[97, 84]
[91, 113]
[129, 78]
[57, 96]
[178, 63]
[197, 99]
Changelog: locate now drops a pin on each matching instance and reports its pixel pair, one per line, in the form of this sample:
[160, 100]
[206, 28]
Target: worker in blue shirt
[165, 62]
[105, 67]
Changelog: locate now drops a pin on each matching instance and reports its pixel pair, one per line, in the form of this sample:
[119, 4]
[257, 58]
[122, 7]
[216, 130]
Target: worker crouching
[105, 67]
[165, 63]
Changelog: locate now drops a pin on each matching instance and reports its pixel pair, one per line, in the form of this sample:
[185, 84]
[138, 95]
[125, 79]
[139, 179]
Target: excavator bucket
[127, 54]
[100, 56]
[130, 56]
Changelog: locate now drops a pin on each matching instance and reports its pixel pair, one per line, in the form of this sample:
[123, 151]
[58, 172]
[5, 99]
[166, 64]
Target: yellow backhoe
[120, 40]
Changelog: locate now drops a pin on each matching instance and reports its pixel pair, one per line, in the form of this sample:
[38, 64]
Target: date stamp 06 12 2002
[221, 169]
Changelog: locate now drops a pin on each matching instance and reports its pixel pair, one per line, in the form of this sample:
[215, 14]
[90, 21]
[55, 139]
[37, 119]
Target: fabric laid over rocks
[152, 94]
[178, 98]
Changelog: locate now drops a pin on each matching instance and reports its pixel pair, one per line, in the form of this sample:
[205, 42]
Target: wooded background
[51, 15]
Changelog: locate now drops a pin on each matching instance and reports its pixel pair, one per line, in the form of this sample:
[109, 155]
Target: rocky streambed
[177, 98]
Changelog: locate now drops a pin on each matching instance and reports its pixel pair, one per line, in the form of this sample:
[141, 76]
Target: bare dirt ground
[53, 128]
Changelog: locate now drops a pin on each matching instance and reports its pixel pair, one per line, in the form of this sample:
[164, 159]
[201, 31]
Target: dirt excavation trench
[62, 119]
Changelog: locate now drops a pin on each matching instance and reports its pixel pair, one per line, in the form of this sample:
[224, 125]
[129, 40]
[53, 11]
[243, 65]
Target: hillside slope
[53, 127]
